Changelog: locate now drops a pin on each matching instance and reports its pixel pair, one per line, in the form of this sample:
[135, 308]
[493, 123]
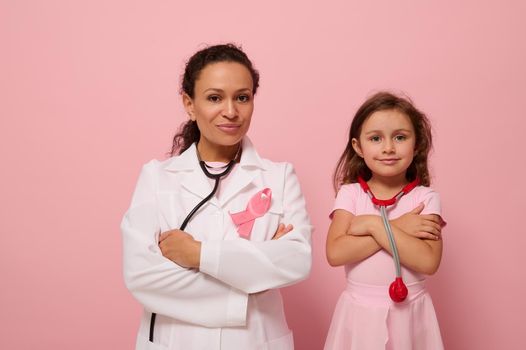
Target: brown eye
[214, 98]
[243, 98]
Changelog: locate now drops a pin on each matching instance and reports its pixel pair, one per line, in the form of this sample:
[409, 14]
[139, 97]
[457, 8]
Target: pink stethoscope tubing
[397, 289]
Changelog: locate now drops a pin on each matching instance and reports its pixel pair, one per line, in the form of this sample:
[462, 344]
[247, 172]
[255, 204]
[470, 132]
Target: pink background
[89, 92]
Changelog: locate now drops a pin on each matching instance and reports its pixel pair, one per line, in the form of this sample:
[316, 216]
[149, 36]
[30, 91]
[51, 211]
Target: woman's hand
[420, 226]
[282, 230]
[181, 248]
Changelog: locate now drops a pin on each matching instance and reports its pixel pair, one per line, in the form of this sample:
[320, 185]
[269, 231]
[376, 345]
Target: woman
[214, 284]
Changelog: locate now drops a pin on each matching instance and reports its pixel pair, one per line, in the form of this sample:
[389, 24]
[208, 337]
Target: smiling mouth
[389, 160]
[229, 128]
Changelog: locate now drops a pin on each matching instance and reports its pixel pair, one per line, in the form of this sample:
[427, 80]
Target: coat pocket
[285, 342]
[162, 336]
[265, 227]
[143, 343]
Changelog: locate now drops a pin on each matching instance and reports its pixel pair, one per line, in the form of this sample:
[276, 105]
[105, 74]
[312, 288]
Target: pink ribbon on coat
[256, 207]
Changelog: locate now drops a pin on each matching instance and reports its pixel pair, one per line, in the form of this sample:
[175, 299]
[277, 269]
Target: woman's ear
[188, 104]
[356, 146]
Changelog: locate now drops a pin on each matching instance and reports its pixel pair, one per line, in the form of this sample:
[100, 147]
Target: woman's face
[222, 105]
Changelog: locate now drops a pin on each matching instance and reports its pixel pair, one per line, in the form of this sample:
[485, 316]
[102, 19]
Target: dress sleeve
[257, 266]
[162, 286]
[431, 200]
[345, 199]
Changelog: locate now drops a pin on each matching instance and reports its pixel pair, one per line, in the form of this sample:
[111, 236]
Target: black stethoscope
[397, 289]
[215, 176]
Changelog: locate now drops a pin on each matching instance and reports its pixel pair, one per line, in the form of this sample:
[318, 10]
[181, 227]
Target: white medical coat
[231, 302]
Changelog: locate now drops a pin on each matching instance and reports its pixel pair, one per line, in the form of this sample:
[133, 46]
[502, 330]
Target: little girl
[388, 147]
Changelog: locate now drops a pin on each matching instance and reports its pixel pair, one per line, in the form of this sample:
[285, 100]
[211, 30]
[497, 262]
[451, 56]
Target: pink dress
[365, 318]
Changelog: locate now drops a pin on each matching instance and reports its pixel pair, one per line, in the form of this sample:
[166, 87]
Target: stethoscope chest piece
[397, 290]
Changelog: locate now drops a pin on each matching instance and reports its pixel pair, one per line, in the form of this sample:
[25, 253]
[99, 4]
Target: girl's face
[387, 144]
[222, 106]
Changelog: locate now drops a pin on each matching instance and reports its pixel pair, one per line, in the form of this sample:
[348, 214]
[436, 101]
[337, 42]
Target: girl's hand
[181, 248]
[420, 226]
[361, 224]
[342, 247]
[282, 230]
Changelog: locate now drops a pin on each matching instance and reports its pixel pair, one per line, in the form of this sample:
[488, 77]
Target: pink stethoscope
[397, 289]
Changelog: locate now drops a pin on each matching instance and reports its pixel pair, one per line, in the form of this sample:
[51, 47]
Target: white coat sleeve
[257, 266]
[162, 286]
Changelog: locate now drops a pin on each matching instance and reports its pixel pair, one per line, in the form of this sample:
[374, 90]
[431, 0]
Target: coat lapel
[250, 167]
[191, 175]
[195, 181]
[198, 184]
[240, 179]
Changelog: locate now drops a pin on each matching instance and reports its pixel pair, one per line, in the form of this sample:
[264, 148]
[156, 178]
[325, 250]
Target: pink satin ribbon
[256, 207]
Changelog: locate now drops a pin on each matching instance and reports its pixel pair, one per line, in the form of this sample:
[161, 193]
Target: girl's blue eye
[400, 138]
[375, 138]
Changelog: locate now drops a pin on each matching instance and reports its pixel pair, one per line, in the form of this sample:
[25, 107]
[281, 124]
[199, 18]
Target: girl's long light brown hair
[351, 166]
